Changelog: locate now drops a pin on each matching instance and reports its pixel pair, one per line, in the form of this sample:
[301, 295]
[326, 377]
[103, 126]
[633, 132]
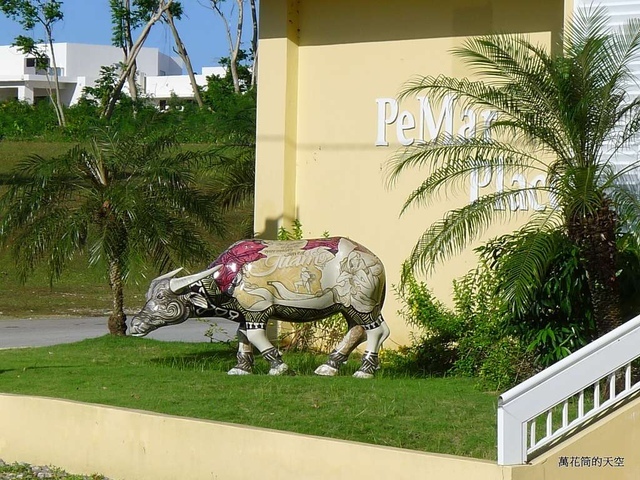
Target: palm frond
[459, 227]
[524, 269]
[468, 153]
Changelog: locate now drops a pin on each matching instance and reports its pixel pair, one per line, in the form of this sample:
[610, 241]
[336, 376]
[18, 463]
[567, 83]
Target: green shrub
[467, 341]
[433, 350]
[487, 349]
[20, 120]
[559, 319]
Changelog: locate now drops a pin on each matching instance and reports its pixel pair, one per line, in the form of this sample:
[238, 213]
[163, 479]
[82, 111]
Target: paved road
[41, 332]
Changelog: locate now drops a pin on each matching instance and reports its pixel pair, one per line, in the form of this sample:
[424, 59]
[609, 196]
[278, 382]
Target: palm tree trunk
[117, 320]
[594, 234]
[57, 101]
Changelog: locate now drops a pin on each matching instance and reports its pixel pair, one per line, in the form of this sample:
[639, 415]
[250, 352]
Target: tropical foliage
[560, 319]
[469, 340]
[565, 113]
[123, 198]
[228, 119]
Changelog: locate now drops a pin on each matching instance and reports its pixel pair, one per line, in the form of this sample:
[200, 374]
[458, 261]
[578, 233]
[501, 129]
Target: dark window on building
[31, 62]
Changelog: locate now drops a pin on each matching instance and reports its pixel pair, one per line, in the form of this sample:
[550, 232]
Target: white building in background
[78, 66]
[162, 87]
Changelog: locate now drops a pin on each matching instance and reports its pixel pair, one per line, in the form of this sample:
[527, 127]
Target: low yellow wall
[135, 445]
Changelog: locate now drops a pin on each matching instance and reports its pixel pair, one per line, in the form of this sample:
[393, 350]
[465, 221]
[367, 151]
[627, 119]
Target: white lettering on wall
[444, 119]
[405, 122]
[432, 122]
[387, 114]
[494, 181]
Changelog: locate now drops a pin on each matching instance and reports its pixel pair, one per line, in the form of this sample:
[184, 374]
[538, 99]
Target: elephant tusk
[178, 284]
[171, 274]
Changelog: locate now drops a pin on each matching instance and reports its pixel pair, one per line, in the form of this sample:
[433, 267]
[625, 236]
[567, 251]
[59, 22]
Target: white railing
[566, 395]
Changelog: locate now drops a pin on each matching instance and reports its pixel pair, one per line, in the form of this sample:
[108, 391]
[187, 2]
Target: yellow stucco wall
[325, 68]
[126, 444]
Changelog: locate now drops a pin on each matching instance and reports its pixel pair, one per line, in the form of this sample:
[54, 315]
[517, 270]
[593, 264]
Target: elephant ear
[198, 300]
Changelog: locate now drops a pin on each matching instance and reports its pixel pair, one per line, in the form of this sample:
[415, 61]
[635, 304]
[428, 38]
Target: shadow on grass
[219, 360]
[300, 363]
[44, 367]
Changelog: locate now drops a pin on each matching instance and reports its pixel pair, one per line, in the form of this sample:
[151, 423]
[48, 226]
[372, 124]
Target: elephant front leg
[258, 338]
[354, 337]
[244, 366]
[273, 356]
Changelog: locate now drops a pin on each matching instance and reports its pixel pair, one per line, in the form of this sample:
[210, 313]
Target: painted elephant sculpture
[294, 280]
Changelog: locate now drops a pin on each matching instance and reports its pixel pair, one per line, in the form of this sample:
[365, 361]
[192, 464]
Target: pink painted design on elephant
[329, 243]
[232, 260]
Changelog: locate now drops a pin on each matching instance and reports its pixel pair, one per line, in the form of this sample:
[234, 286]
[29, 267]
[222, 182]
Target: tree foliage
[159, 8]
[29, 14]
[123, 198]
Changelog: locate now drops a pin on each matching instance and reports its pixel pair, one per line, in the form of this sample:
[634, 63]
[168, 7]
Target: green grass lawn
[443, 415]
[11, 152]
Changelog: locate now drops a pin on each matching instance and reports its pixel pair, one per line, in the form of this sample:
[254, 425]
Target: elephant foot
[370, 364]
[280, 369]
[238, 371]
[326, 370]
[244, 365]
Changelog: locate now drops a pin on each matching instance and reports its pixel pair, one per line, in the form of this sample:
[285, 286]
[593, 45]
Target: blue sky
[89, 21]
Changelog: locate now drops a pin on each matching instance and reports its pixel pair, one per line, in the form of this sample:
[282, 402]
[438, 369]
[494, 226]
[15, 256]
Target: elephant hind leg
[370, 361]
[354, 337]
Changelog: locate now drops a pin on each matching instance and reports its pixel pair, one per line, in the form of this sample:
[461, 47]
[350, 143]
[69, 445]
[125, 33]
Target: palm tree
[234, 152]
[124, 198]
[565, 113]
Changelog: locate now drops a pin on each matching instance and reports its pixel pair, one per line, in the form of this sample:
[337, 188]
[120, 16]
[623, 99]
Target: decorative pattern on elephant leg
[336, 359]
[256, 325]
[244, 365]
[373, 323]
[354, 337]
[273, 356]
[370, 363]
